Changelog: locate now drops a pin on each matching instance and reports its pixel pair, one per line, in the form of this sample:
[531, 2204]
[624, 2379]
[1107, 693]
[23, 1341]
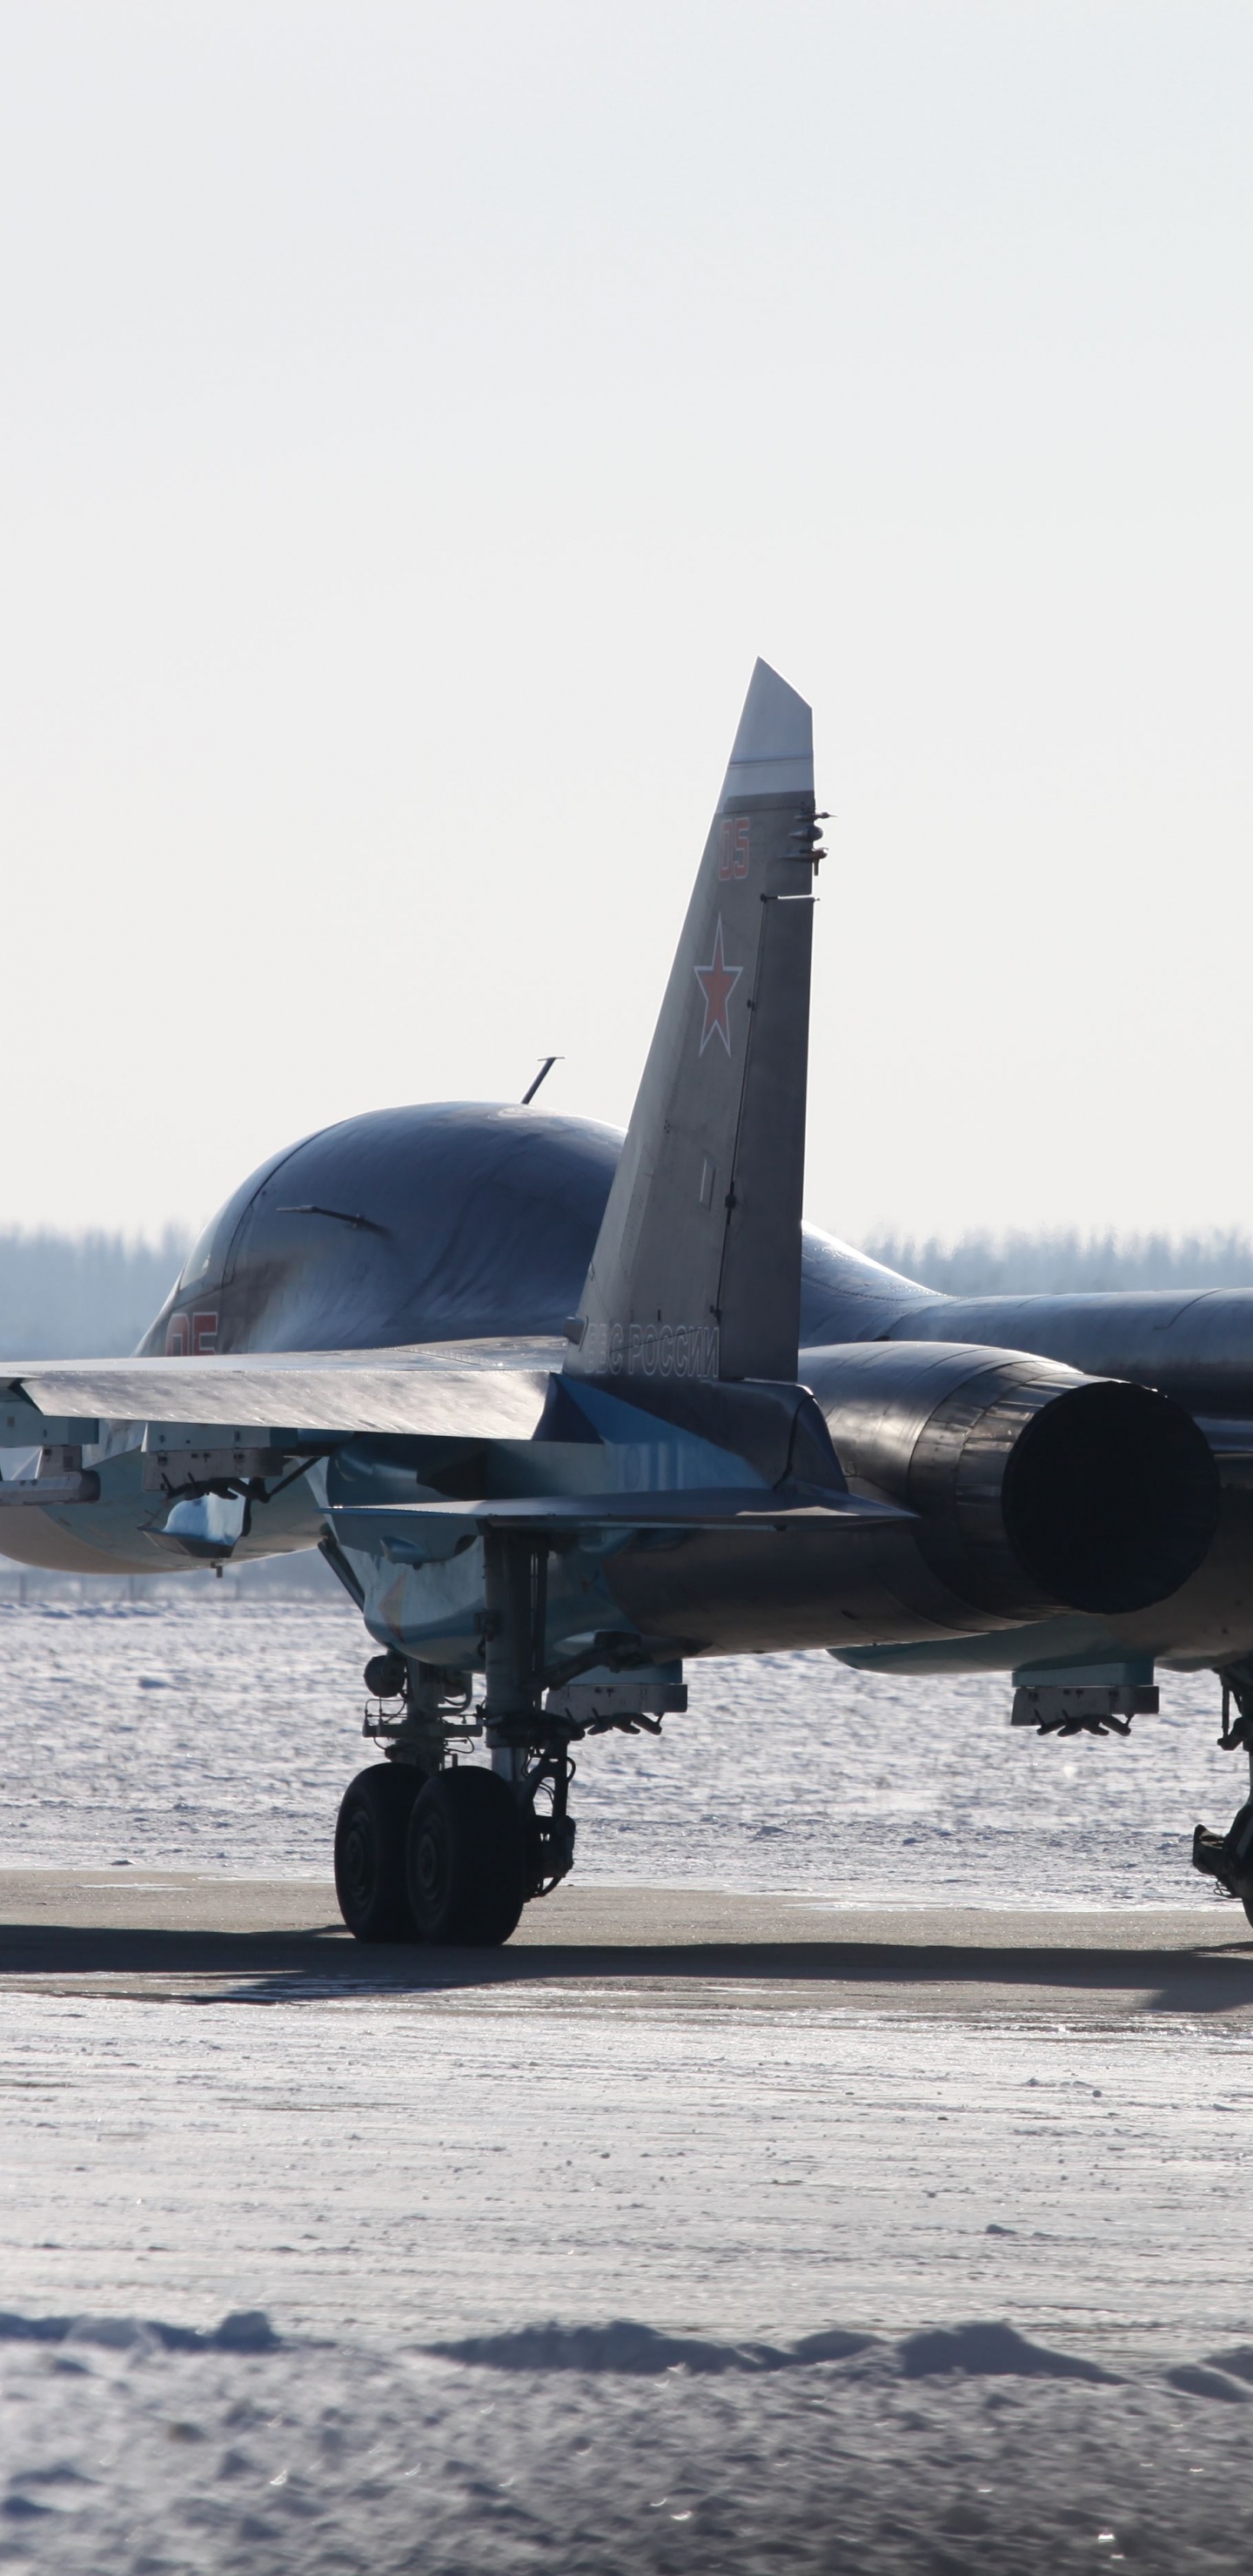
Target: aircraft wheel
[1240, 1845]
[370, 1851]
[466, 1860]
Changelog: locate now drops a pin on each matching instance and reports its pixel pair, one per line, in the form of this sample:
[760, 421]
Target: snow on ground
[140, 2461]
[211, 1729]
[412, 2185]
[436, 2163]
[442, 2199]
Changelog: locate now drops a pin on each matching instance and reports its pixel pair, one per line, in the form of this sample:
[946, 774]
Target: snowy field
[800, 2210]
[594, 2273]
[206, 1728]
[143, 2462]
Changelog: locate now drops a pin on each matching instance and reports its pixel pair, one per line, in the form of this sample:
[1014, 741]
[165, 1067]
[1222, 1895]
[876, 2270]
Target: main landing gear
[427, 1849]
[371, 1835]
[1228, 1857]
[443, 1859]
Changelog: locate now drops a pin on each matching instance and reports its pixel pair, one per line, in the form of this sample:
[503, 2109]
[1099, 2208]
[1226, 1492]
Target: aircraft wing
[262, 1402]
[490, 1390]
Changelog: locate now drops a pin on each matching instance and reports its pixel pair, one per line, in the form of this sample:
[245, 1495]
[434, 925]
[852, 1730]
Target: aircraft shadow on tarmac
[273, 1967]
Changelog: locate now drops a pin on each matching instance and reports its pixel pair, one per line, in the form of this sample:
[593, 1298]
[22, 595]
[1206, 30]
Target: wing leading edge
[465, 1390]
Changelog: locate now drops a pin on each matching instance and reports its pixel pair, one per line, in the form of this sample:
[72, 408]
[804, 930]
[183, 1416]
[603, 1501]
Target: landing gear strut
[1228, 1857]
[431, 1851]
[529, 1750]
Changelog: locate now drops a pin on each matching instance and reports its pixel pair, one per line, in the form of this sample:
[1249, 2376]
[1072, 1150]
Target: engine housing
[1036, 1488]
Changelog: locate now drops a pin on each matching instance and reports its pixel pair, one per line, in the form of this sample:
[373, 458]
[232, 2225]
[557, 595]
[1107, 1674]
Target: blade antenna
[541, 1076]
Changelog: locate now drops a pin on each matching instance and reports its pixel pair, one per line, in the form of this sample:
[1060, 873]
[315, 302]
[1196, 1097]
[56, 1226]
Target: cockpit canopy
[449, 1222]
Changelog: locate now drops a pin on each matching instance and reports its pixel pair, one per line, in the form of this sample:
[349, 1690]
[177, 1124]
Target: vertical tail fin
[696, 1271]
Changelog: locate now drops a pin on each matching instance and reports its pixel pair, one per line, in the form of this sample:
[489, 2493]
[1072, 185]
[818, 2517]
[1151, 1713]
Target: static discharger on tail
[564, 1412]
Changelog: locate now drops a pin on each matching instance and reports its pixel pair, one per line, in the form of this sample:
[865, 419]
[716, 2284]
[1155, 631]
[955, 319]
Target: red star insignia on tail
[717, 982]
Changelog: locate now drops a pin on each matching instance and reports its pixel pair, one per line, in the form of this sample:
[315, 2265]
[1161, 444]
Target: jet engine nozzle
[1111, 1496]
[1035, 1487]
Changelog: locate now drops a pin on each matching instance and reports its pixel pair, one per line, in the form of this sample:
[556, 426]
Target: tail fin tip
[773, 750]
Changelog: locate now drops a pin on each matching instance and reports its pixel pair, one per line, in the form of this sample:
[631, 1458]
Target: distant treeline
[987, 1265]
[90, 1294]
[96, 1294]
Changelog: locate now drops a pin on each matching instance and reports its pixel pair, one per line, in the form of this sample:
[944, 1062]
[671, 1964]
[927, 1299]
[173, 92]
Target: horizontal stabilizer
[716, 1507]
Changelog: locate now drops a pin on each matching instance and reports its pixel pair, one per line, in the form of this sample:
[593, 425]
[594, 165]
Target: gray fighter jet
[564, 1410]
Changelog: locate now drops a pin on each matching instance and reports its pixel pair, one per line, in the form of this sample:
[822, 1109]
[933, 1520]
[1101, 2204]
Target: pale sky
[414, 421]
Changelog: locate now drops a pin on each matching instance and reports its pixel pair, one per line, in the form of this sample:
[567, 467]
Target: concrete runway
[879, 2120]
[169, 1934]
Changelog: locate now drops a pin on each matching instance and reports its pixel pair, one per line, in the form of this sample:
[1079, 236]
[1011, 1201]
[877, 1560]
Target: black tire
[1240, 1849]
[466, 1860]
[370, 1835]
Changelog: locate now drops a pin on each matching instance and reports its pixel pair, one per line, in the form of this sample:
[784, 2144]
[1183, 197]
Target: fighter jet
[566, 1411]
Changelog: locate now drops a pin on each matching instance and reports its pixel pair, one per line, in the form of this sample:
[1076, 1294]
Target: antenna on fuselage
[541, 1076]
